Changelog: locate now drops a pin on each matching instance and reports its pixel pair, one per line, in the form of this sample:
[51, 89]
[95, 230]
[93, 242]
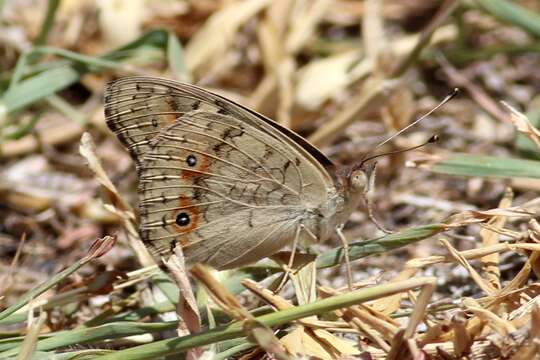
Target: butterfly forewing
[228, 187]
[137, 110]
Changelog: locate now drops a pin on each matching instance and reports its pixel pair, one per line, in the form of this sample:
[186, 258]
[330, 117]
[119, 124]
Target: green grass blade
[512, 13]
[380, 245]
[22, 93]
[40, 355]
[167, 286]
[133, 315]
[81, 354]
[235, 330]
[23, 129]
[333, 257]
[92, 62]
[10, 342]
[227, 354]
[40, 289]
[98, 333]
[175, 57]
[48, 21]
[67, 109]
[484, 166]
[11, 320]
[155, 39]
[72, 355]
[233, 283]
[37, 87]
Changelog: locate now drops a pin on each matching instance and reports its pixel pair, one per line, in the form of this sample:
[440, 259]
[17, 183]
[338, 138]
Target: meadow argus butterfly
[225, 183]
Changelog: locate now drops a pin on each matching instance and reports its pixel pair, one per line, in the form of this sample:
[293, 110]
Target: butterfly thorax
[322, 219]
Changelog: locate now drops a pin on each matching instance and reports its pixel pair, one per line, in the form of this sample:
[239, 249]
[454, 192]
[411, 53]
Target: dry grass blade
[390, 304]
[372, 27]
[485, 286]
[255, 330]
[88, 151]
[462, 339]
[98, 248]
[342, 73]
[304, 24]
[499, 325]
[479, 95]
[523, 125]
[369, 321]
[444, 11]
[34, 328]
[407, 336]
[473, 254]
[475, 216]
[117, 203]
[314, 341]
[211, 42]
[374, 325]
[265, 338]
[530, 347]
[490, 237]
[374, 93]
[7, 278]
[57, 133]
[187, 309]
[219, 294]
[284, 73]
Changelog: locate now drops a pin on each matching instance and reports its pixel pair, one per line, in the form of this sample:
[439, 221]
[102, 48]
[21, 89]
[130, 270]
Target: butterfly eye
[182, 219]
[191, 160]
[359, 180]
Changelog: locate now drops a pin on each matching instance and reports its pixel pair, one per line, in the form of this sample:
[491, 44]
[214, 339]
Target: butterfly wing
[226, 184]
[137, 108]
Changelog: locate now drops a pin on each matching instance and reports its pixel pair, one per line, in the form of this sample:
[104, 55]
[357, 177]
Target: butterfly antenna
[431, 140]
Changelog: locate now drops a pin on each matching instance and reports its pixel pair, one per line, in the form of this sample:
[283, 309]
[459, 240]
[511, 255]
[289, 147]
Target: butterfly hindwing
[219, 188]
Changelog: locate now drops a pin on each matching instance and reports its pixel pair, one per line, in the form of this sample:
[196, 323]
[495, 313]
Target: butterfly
[225, 183]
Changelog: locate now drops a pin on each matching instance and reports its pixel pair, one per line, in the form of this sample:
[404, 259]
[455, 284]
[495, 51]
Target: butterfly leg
[345, 243]
[368, 196]
[288, 267]
[311, 234]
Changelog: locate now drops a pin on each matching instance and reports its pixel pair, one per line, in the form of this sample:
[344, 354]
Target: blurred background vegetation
[345, 74]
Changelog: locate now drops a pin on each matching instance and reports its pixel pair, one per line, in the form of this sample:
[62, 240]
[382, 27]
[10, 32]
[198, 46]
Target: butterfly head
[360, 177]
[355, 180]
